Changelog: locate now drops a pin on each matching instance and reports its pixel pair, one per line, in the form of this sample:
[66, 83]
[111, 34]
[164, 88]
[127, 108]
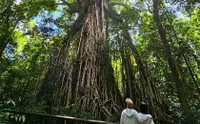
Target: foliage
[73, 110]
[33, 32]
[5, 116]
[114, 118]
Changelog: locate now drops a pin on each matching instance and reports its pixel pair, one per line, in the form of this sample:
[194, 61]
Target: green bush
[113, 118]
[5, 117]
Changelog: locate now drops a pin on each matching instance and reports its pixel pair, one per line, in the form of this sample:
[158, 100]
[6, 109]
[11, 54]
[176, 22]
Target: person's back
[144, 117]
[129, 115]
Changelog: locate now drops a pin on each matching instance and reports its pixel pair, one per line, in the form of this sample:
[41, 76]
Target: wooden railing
[38, 118]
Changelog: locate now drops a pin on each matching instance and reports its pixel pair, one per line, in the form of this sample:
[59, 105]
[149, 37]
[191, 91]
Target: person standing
[143, 116]
[129, 115]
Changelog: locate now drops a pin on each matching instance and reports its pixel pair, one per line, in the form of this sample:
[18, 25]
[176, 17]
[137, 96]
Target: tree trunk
[192, 74]
[148, 90]
[185, 57]
[87, 81]
[130, 86]
[4, 40]
[148, 94]
[176, 77]
[2, 47]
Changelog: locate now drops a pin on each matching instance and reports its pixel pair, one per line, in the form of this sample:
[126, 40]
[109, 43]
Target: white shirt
[145, 118]
[131, 116]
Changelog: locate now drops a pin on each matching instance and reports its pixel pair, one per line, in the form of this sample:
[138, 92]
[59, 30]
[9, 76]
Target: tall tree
[181, 92]
[87, 79]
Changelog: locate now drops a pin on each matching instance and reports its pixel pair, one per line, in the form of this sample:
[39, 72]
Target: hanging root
[86, 78]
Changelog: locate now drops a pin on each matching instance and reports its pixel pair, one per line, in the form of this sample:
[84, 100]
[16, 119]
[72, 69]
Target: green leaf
[16, 118]
[23, 118]
[21, 40]
[31, 24]
[20, 118]
[13, 103]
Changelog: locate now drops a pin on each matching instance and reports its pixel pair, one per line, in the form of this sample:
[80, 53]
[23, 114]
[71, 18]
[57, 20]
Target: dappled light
[76, 61]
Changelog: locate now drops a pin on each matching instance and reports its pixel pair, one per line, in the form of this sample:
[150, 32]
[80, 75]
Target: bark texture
[83, 75]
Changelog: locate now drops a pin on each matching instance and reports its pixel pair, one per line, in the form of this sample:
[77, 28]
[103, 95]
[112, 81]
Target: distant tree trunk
[187, 61]
[176, 77]
[88, 80]
[130, 86]
[184, 57]
[2, 47]
[148, 89]
[4, 39]
[148, 92]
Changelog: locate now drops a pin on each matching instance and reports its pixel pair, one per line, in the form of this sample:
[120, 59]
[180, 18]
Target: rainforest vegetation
[82, 58]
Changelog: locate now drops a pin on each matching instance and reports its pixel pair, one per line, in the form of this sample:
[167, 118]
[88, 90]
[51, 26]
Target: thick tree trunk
[87, 82]
[176, 77]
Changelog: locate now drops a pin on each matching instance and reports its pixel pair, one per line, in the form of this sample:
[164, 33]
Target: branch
[77, 24]
[112, 14]
[8, 39]
[74, 7]
[66, 3]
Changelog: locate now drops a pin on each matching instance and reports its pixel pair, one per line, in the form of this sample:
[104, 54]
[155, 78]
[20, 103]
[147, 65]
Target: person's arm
[137, 116]
[122, 118]
[149, 116]
[150, 119]
[143, 118]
